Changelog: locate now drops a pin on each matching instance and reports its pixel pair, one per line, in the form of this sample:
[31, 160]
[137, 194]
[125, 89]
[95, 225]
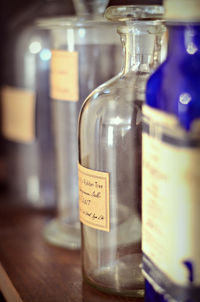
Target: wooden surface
[32, 270]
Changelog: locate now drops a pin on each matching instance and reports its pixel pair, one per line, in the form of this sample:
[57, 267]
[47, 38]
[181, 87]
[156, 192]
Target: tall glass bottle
[26, 120]
[171, 159]
[110, 157]
[82, 48]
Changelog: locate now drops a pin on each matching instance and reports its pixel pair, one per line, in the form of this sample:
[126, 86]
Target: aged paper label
[171, 198]
[18, 114]
[64, 80]
[94, 198]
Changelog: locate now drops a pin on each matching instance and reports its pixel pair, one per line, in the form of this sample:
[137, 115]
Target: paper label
[171, 197]
[18, 114]
[94, 198]
[64, 80]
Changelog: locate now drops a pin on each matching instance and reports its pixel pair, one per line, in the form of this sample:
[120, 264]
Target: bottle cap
[182, 10]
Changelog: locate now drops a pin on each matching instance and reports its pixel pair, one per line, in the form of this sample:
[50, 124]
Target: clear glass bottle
[110, 157]
[26, 114]
[171, 159]
[85, 44]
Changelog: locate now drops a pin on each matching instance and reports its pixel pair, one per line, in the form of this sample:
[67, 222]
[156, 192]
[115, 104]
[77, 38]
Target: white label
[170, 202]
[94, 198]
[18, 114]
[64, 81]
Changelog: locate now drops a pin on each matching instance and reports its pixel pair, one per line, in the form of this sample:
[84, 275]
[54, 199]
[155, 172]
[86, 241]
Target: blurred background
[10, 10]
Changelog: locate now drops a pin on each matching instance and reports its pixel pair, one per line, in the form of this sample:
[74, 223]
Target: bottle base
[119, 279]
[62, 234]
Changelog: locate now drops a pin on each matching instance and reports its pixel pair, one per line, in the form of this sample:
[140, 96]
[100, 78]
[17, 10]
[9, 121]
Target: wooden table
[32, 270]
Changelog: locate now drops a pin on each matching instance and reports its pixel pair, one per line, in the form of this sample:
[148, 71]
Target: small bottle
[171, 161]
[81, 47]
[110, 157]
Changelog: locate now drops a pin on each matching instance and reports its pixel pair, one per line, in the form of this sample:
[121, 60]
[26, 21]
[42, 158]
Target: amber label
[18, 114]
[94, 198]
[170, 197]
[64, 81]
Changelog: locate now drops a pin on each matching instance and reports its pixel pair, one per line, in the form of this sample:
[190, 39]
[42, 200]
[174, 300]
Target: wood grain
[34, 271]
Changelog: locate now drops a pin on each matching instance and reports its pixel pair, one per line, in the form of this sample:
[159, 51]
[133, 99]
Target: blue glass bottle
[179, 74]
[173, 98]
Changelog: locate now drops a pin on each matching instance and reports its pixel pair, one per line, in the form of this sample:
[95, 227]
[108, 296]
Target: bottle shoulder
[175, 88]
[121, 90]
[113, 103]
[181, 73]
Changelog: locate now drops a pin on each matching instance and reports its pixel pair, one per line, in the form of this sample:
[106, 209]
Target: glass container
[82, 48]
[110, 157]
[26, 115]
[171, 159]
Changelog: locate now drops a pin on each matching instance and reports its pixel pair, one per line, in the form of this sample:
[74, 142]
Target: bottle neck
[184, 40]
[90, 7]
[141, 44]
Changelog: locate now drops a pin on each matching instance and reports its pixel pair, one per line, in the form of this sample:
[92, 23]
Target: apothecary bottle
[110, 157]
[26, 115]
[171, 160]
[82, 48]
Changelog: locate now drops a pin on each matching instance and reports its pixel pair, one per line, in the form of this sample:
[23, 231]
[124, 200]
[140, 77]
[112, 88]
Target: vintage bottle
[82, 48]
[110, 157]
[26, 112]
[171, 160]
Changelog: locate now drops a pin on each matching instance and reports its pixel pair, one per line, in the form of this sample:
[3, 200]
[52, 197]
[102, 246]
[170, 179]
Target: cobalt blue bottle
[171, 163]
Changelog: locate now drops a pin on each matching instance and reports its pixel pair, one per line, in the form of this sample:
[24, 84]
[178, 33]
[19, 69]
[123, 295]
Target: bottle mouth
[142, 28]
[134, 13]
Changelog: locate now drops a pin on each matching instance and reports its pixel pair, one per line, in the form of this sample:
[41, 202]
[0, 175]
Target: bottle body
[85, 46]
[110, 139]
[110, 167]
[26, 111]
[171, 126]
[26, 121]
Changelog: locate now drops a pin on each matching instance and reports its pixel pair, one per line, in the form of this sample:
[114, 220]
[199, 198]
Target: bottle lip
[139, 28]
[72, 22]
[124, 13]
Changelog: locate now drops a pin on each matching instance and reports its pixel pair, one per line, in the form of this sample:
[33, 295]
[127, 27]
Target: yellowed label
[170, 201]
[64, 80]
[18, 114]
[94, 198]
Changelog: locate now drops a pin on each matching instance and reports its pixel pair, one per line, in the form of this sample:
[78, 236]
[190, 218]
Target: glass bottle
[26, 115]
[171, 158]
[110, 157]
[81, 50]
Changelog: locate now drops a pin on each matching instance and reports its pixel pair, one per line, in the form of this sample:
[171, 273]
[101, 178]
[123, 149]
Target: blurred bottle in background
[25, 105]
[9, 9]
[86, 52]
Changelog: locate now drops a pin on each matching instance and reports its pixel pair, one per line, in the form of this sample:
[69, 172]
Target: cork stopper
[125, 13]
[182, 10]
